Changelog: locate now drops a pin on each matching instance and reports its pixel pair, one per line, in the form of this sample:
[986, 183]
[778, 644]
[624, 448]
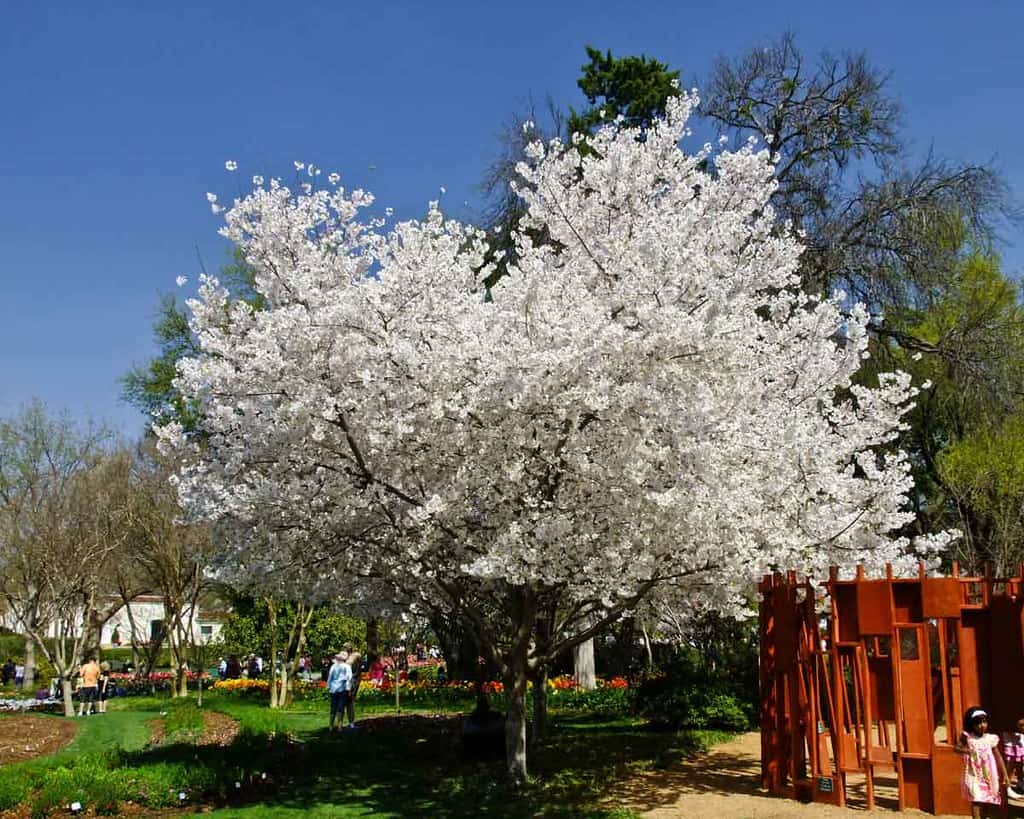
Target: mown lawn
[286, 764]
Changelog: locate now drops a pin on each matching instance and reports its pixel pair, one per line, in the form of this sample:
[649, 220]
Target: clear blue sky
[116, 118]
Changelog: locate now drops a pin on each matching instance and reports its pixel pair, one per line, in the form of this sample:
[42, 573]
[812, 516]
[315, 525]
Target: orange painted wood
[874, 607]
[901, 655]
[940, 597]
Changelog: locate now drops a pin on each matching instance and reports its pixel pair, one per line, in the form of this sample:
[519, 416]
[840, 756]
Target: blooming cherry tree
[646, 404]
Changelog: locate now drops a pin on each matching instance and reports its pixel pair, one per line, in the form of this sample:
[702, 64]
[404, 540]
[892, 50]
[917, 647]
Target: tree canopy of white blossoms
[647, 402]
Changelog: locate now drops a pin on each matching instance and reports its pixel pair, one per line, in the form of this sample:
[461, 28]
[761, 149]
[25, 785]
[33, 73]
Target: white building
[150, 618]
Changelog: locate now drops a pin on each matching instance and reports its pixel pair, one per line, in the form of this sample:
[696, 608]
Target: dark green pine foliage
[635, 88]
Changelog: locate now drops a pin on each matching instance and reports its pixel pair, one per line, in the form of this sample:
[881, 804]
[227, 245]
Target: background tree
[844, 172]
[171, 556]
[41, 457]
[630, 89]
[912, 239]
[150, 387]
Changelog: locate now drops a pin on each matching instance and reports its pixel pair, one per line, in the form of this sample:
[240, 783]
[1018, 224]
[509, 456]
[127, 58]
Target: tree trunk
[30, 664]
[583, 665]
[373, 637]
[272, 617]
[69, 704]
[647, 646]
[515, 722]
[293, 652]
[540, 705]
[179, 679]
[285, 697]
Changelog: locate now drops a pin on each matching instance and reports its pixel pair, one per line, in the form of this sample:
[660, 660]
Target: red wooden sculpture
[874, 675]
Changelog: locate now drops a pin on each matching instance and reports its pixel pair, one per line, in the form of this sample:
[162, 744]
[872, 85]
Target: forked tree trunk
[179, 680]
[583, 665]
[292, 653]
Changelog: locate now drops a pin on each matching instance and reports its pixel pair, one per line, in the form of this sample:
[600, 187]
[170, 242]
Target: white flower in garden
[211, 197]
[333, 178]
[231, 165]
[181, 281]
[257, 181]
[299, 165]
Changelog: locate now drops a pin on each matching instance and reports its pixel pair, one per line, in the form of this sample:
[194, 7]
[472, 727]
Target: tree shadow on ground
[414, 765]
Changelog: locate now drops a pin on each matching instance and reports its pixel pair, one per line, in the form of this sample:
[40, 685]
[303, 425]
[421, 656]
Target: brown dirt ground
[26, 736]
[725, 784]
[218, 729]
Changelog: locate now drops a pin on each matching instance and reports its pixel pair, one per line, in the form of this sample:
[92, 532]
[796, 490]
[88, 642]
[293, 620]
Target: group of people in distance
[12, 672]
[231, 668]
[343, 679]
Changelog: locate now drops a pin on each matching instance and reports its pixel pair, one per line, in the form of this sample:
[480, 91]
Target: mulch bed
[26, 736]
[218, 729]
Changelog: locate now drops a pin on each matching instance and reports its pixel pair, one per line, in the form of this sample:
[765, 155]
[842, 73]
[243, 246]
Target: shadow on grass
[413, 765]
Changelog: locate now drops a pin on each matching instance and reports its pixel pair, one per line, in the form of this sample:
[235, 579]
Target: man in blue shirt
[339, 685]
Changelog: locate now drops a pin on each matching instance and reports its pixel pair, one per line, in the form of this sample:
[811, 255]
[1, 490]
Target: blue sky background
[116, 118]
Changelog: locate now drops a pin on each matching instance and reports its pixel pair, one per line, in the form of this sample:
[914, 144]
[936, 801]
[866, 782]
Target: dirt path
[26, 736]
[724, 784]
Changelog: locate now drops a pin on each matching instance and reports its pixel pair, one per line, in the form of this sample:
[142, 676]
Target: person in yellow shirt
[90, 675]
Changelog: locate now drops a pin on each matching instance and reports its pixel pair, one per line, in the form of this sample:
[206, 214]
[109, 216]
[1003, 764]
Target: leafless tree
[874, 219]
[49, 549]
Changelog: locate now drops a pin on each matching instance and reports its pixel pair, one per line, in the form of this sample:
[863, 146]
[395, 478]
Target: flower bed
[127, 685]
[243, 685]
[23, 704]
[611, 695]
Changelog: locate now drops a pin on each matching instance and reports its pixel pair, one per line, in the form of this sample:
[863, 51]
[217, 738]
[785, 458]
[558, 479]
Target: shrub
[14, 787]
[688, 694]
[61, 787]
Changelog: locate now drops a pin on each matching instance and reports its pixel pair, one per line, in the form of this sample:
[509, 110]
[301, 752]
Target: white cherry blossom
[645, 405]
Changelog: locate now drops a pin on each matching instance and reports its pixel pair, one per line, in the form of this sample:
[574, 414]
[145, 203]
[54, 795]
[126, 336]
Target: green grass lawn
[287, 764]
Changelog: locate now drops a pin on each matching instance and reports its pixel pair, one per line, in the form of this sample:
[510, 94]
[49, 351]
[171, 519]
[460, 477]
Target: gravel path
[725, 784]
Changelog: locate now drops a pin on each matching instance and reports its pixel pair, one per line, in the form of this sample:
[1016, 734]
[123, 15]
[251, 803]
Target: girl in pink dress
[984, 769]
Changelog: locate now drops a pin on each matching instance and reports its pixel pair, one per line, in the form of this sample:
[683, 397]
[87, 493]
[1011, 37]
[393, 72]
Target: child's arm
[960, 746]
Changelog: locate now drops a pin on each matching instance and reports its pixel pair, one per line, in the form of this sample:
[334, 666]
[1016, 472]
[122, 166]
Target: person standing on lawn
[355, 662]
[103, 688]
[339, 681]
[90, 675]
